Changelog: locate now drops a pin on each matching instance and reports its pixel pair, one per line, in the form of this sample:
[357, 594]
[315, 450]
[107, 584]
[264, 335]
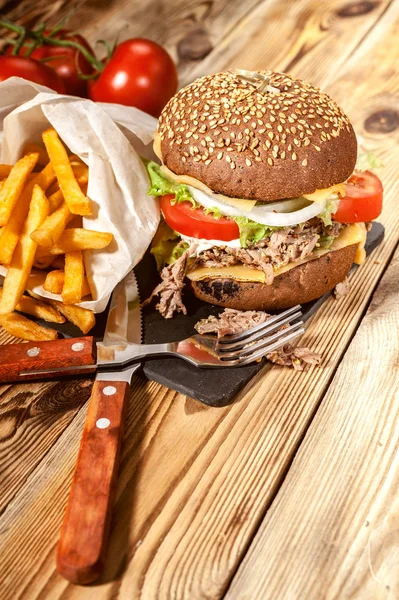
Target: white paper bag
[110, 139]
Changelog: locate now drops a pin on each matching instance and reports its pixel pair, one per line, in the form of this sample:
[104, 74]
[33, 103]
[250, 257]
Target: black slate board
[214, 387]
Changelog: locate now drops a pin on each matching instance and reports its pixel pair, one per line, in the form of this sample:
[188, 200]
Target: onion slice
[272, 214]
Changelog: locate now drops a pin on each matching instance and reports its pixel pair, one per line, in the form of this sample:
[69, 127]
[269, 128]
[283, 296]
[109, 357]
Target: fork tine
[291, 333]
[264, 342]
[281, 342]
[228, 339]
[260, 332]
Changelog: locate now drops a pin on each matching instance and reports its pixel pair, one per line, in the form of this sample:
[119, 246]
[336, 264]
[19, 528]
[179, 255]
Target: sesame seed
[208, 161]
[270, 161]
[293, 156]
[304, 162]
[248, 162]
[228, 158]
[233, 165]
[220, 155]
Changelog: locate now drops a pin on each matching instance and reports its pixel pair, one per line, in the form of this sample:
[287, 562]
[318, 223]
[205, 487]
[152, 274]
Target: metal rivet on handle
[77, 346]
[103, 423]
[33, 351]
[109, 390]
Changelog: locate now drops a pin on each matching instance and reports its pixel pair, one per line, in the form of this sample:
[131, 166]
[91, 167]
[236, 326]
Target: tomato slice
[194, 222]
[363, 199]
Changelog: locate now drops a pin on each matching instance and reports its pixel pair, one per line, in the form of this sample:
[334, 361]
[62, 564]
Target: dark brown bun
[296, 286]
[263, 146]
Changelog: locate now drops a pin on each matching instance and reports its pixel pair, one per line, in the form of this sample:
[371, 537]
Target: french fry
[81, 317]
[55, 200]
[73, 278]
[43, 158]
[81, 172]
[24, 254]
[74, 159]
[36, 308]
[54, 283]
[5, 170]
[75, 239]
[77, 202]
[24, 328]
[12, 230]
[14, 185]
[51, 229]
[54, 187]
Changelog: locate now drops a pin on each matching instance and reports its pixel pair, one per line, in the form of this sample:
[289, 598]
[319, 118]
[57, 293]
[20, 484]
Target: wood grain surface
[196, 482]
[333, 529]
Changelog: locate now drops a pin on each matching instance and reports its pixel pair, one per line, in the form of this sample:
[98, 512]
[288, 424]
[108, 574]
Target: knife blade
[84, 533]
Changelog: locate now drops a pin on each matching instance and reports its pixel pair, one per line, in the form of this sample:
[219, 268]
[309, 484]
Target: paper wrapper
[110, 139]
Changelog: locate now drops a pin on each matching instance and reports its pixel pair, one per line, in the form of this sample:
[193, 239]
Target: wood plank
[32, 417]
[195, 481]
[311, 40]
[333, 529]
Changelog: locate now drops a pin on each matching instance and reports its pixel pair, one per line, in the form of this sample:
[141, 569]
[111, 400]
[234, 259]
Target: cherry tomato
[31, 70]
[66, 62]
[140, 73]
[363, 200]
[194, 222]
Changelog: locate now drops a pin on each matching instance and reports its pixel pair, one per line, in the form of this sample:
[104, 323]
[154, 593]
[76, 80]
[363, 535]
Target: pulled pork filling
[171, 287]
[284, 246]
[232, 321]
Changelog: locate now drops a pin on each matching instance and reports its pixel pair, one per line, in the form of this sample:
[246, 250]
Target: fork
[42, 359]
[209, 351]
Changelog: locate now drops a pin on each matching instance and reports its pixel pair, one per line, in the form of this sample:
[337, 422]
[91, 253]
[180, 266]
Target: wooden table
[291, 492]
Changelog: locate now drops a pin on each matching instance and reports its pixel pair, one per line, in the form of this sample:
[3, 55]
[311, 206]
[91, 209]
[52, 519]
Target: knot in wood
[195, 45]
[355, 9]
[382, 121]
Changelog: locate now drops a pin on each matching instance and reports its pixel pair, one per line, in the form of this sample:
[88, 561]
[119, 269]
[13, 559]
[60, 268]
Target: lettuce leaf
[252, 232]
[213, 210]
[368, 160]
[330, 208]
[161, 185]
[167, 246]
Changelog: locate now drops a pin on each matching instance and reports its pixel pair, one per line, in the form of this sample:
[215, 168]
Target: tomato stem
[38, 38]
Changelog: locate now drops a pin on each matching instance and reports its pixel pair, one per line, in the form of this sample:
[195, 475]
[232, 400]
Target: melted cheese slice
[352, 234]
[321, 195]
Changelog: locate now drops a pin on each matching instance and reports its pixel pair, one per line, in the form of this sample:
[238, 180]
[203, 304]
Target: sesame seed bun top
[288, 140]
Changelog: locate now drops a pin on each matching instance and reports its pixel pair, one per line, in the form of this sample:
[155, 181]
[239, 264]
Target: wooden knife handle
[17, 359]
[84, 533]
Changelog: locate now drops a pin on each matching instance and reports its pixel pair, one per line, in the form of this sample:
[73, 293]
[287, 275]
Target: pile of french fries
[42, 240]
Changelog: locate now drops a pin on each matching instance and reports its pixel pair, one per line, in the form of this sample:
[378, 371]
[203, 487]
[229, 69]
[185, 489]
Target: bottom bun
[296, 286]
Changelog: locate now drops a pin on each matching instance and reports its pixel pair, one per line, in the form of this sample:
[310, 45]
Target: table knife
[85, 529]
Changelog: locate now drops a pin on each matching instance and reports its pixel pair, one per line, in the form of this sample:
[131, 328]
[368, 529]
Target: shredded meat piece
[171, 287]
[231, 321]
[299, 358]
[342, 289]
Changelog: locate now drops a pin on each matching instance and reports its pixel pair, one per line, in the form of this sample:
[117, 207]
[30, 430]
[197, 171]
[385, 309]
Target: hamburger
[262, 209]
